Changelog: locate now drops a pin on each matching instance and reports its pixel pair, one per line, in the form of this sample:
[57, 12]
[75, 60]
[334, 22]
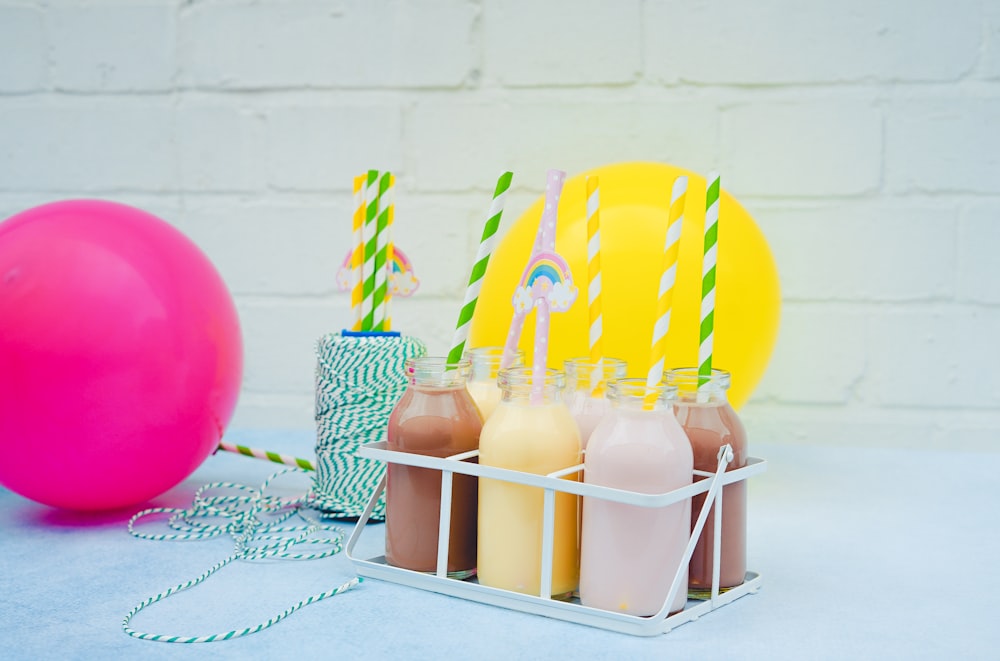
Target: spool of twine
[358, 382]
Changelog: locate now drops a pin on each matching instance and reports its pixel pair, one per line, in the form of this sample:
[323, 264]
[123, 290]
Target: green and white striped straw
[486, 245]
[368, 270]
[267, 455]
[381, 253]
[707, 333]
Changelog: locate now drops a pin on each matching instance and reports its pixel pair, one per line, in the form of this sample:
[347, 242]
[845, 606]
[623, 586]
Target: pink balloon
[120, 355]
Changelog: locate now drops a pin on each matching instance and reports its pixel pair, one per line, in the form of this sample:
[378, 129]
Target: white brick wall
[863, 136]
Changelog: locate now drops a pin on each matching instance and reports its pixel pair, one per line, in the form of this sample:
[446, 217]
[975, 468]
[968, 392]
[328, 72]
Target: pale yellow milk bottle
[586, 385]
[482, 383]
[532, 433]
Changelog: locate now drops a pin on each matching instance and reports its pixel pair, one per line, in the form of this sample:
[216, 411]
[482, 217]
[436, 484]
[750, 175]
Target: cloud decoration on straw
[403, 279]
[547, 277]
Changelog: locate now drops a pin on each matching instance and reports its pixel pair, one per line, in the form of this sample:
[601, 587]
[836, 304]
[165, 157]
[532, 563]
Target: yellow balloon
[634, 201]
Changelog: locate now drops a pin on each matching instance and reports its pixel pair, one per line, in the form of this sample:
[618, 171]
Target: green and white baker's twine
[358, 382]
[711, 244]
[486, 245]
[242, 516]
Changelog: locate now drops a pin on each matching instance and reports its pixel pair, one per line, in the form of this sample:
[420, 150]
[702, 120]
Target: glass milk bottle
[586, 383]
[532, 434]
[482, 383]
[710, 423]
[629, 553]
[435, 417]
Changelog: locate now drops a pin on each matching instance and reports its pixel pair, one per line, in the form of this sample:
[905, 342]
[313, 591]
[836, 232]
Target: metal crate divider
[543, 604]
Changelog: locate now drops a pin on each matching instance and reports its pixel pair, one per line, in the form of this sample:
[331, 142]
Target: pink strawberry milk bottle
[710, 422]
[435, 417]
[586, 384]
[629, 553]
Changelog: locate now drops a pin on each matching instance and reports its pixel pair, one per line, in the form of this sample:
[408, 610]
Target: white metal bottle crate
[543, 604]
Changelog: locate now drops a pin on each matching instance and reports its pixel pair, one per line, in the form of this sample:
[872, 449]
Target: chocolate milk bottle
[435, 417]
[710, 422]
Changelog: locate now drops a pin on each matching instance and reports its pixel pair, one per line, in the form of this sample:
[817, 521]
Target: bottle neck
[485, 362]
[692, 388]
[585, 374]
[517, 386]
[436, 372]
[635, 395]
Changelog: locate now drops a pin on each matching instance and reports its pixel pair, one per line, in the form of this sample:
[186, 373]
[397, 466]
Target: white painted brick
[279, 341]
[939, 358]
[950, 144]
[978, 267]
[435, 233]
[288, 412]
[23, 53]
[784, 41]
[528, 43]
[431, 320]
[220, 147]
[165, 207]
[990, 62]
[817, 148]
[113, 46]
[840, 426]
[311, 43]
[87, 145]
[969, 430]
[324, 148]
[272, 248]
[819, 358]
[925, 428]
[457, 146]
[863, 251]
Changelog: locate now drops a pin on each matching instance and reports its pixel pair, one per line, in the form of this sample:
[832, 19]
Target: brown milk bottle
[435, 417]
[710, 422]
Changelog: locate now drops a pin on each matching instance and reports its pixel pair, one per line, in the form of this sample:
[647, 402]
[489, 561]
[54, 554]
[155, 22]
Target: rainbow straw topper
[403, 280]
[547, 277]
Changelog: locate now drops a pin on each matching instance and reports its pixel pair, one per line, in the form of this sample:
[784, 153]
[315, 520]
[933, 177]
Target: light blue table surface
[864, 553]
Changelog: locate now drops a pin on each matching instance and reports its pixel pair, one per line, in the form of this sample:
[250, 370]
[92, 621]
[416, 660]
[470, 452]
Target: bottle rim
[585, 361]
[512, 378]
[687, 378]
[638, 388]
[437, 370]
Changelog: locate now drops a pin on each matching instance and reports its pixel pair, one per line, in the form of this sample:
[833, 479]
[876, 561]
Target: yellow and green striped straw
[708, 264]
[486, 244]
[381, 251]
[668, 276]
[371, 217]
[594, 279]
[389, 251]
[358, 252]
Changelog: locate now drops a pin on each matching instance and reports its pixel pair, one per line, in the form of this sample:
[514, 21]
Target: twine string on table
[261, 526]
